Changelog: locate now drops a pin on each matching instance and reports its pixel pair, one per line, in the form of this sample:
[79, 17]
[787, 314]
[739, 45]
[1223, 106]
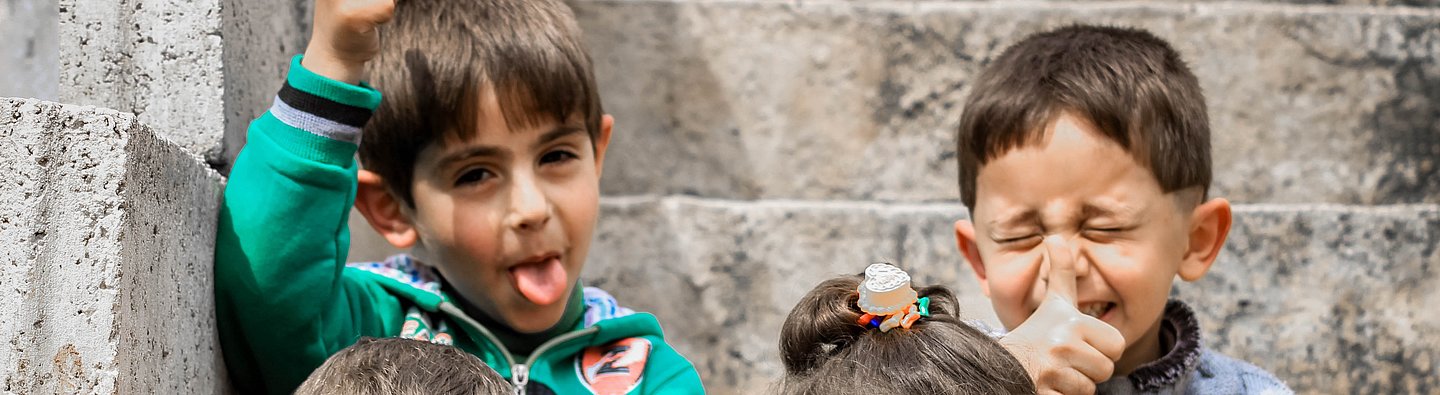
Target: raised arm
[281, 301]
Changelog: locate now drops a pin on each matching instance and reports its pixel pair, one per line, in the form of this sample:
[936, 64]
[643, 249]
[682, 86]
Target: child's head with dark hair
[1130, 86]
[1098, 135]
[439, 60]
[484, 157]
[403, 366]
[826, 351]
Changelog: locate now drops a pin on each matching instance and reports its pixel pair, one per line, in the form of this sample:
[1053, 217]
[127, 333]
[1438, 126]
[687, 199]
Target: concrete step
[198, 71]
[859, 100]
[106, 281]
[1330, 298]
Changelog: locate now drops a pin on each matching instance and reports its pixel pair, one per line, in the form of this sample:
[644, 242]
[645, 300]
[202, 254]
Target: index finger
[1061, 281]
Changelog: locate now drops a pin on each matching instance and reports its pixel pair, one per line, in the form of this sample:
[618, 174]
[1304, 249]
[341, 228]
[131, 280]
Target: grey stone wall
[764, 145]
[859, 100]
[198, 71]
[157, 59]
[1333, 299]
[30, 58]
[106, 277]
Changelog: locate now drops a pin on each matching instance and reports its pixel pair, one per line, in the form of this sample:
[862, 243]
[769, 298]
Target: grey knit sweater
[1190, 368]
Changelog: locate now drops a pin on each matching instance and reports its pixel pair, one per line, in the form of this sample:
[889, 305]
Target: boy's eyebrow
[559, 132]
[1027, 216]
[467, 153]
[1092, 210]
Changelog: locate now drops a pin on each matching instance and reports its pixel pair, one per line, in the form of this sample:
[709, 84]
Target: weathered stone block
[859, 100]
[1331, 299]
[106, 278]
[165, 61]
[30, 57]
[158, 59]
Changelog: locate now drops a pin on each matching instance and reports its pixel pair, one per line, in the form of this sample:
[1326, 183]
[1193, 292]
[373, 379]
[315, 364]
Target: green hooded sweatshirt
[286, 300]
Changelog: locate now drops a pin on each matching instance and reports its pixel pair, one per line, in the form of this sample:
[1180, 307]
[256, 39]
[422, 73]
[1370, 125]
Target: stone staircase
[762, 146]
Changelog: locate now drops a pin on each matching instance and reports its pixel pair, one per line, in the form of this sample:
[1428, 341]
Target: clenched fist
[346, 35]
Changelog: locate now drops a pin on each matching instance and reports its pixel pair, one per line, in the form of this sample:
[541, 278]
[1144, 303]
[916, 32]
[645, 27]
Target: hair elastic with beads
[888, 300]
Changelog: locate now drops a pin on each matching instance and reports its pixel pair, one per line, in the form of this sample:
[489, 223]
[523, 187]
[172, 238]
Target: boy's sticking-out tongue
[542, 283]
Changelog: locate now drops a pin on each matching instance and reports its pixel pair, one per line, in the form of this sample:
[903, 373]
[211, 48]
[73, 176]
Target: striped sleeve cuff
[322, 106]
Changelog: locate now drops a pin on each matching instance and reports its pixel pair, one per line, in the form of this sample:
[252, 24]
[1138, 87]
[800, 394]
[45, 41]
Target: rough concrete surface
[105, 281]
[30, 58]
[1331, 299]
[859, 101]
[164, 60]
[158, 59]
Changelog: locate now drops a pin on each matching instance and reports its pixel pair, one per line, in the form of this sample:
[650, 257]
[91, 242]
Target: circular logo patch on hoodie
[615, 368]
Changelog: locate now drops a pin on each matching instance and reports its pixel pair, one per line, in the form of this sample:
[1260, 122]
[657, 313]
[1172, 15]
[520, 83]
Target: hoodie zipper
[519, 373]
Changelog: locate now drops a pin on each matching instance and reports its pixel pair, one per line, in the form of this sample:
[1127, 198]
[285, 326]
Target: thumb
[1061, 282]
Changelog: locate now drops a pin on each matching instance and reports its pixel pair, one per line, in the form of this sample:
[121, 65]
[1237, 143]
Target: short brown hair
[1129, 84]
[403, 366]
[826, 352]
[436, 59]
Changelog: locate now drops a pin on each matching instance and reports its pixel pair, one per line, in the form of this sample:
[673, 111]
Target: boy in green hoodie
[483, 160]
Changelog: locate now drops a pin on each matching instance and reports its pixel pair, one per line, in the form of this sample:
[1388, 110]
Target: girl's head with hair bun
[826, 352]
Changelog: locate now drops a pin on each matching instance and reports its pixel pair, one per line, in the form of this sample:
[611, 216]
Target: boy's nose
[1077, 250]
[529, 208]
[1082, 259]
[1082, 264]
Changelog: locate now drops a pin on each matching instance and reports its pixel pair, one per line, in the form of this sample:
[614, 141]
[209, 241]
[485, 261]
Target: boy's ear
[602, 141]
[1209, 225]
[383, 211]
[965, 240]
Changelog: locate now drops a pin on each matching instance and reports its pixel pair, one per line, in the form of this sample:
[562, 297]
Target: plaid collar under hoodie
[611, 349]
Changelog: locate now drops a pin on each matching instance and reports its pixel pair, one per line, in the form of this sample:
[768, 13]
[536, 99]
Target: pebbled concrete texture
[106, 282]
[1331, 299]
[31, 57]
[858, 101]
[193, 86]
[158, 59]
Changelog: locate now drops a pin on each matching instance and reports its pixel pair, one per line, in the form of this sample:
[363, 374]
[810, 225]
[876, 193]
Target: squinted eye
[1109, 230]
[1012, 240]
[557, 157]
[472, 176]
